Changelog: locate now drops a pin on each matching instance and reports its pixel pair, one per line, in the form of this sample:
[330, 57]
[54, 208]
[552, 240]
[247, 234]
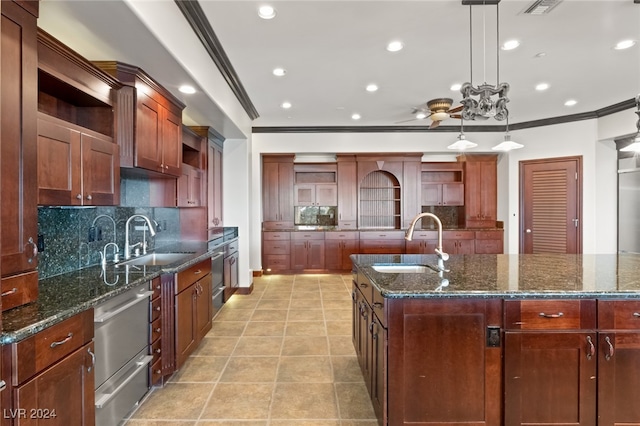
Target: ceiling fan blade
[434, 124]
[455, 115]
[406, 121]
[456, 109]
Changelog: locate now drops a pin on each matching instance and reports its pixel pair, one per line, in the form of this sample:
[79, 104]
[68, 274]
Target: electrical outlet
[40, 243]
[99, 234]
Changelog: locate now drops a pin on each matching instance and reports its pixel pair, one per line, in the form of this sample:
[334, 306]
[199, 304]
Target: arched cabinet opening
[380, 201]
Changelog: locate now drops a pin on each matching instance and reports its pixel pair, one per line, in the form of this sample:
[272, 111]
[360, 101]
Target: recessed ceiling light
[372, 88]
[286, 105]
[266, 12]
[570, 102]
[185, 88]
[542, 86]
[510, 44]
[456, 87]
[624, 44]
[394, 46]
[355, 116]
[279, 72]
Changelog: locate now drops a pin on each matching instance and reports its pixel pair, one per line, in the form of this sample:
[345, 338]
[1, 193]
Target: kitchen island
[499, 339]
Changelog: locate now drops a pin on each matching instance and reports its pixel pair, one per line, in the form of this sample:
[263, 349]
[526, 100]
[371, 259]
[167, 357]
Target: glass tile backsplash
[315, 215]
[449, 216]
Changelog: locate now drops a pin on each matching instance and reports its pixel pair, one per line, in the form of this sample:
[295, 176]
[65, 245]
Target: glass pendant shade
[462, 143]
[633, 146]
[507, 144]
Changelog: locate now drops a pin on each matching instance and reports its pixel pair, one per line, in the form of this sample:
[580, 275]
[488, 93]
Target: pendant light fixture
[462, 143]
[635, 145]
[507, 144]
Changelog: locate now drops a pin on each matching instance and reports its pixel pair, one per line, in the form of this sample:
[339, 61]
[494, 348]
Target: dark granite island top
[65, 295]
[508, 276]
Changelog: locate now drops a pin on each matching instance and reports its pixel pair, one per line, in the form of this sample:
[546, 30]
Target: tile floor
[281, 356]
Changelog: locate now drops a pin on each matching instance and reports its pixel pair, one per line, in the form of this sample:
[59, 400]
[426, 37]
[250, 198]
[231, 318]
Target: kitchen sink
[156, 259]
[403, 269]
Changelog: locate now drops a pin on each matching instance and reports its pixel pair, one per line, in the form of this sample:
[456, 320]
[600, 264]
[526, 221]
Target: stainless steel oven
[121, 339]
[217, 274]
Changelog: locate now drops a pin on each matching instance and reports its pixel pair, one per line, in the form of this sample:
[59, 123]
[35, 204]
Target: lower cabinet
[307, 250]
[193, 309]
[338, 246]
[458, 242]
[155, 332]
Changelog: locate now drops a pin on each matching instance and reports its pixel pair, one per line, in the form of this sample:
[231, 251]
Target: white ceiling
[333, 49]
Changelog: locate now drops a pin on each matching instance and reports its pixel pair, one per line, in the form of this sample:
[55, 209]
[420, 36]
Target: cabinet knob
[158, 330]
[158, 350]
[166, 167]
[157, 308]
[3, 385]
[79, 197]
[89, 197]
[158, 371]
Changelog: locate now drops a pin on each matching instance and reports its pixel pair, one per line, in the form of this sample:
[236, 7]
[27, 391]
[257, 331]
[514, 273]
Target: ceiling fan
[437, 109]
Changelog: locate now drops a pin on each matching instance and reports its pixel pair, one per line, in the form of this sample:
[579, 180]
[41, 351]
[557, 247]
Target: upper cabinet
[78, 162]
[442, 184]
[214, 150]
[347, 192]
[18, 152]
[191, 183]
[481, 189]
[277, 191]
[315, 185]
[149, 121]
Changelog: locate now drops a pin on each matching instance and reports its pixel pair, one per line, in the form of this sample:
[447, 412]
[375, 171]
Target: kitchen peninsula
[499, 339]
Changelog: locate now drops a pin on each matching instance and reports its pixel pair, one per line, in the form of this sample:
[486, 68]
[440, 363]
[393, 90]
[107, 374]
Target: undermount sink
[156, 259]
[403, 269]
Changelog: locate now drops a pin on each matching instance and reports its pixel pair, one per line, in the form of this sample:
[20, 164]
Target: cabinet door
[59, 159]
[431, 194]
[299, 254]
[347, 194]
[214, 185]
[285, 192]
[185, 324]
[42, 397]
[349, 247]
[618, 378]
[326, 195]
[333, 254]
[203, 306]
[148, 147]
[428, 335]
[171, 142]
[550, 378]
[488, 197]
[18, 150]
[270, 192]
[315, 254]
[453, 194]
[100, 171]
[365, 345]
[378, 368]
[304, 195]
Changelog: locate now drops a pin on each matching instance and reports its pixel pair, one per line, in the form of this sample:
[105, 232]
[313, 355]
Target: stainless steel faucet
[152, 232]
[104, 253]
[442, 256]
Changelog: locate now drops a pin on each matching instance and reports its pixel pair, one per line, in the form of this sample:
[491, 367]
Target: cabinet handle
[198, 272]
[157, 308]
[3, 385]
[353, 295]
[93, 359]
[591, 350]
[158, 371]
[166, 167]
[378, 305]
[34, 252]
[158, 350]
[158, 330]
[371, 327]
[79, 197]
[158, 287]
[364, 285]
[89, 197]
[8, 292]
[558, 315]
[611, 351]
[63, 341]
[636, 314]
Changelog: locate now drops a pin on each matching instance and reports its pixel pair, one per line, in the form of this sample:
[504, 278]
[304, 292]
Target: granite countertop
[65, 295]
[319, 228]
[509, 276]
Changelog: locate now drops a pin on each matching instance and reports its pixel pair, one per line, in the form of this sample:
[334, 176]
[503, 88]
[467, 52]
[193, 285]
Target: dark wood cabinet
[373, 242]
[18, 151]
[76, 167]
[442, 194]
[458, 242]
[347, 192]
[423, 242]
[190, 185]
[480, 194]
[321, 194]
[338, 246]
[307, 250]
[276, 251]
[489, 242]
[277, 192]
[214, 175]
[155, 332]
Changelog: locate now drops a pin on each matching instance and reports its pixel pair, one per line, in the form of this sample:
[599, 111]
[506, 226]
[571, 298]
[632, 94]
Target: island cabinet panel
[618, 362]
[441, 368]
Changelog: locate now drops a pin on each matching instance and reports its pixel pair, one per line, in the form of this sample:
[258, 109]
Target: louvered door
[550, 206]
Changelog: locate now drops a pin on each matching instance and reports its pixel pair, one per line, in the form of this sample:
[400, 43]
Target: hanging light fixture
[635, 145]
[507, 144]
[481, 102]
[462, 143]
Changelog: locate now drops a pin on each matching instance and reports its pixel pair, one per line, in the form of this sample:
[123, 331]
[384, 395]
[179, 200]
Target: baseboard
[245, 290]
[257, 273]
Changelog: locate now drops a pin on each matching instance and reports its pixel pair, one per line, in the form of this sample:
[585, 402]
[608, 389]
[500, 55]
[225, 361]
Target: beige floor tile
[337, 304]
[305, 294]
[305, 328]
[258, 345]
[307, 304]
[159, 423]
[305, 369]
[241, 401]
[269, 315]
[354, 402]
[304, 345]
[346, 369]
[227, 328]
[216, 346]
[341, 345]
[304, 401]
[305, 314]
[234, 314]
[250, 369]
[276, 295]
[241, 302]
[175, 401]
[265, 328]
[273, 304]
[358, 423]
[338, 328]
[305, 423]
[201, 369]
[233, 423]
[336, 295]
[338, 314]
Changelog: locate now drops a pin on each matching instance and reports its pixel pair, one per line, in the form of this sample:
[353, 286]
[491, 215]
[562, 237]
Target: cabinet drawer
[378, 306]
[156, 350]
[19, 289]
[383, 235]
[489, 247]
[156, 308]
[231, 248]
[382, 246]
[275, 236]
[489, 235]
[619, 314]
[347, 224]
[50, 345]
[277, 225]
[191, 275]
[425, 235]
[341, 236]
[156, 286]
[156, 330]
[550, 314]
[458, 235]
[305, 236]
[156, 371]
[277, 247]
[277, 262]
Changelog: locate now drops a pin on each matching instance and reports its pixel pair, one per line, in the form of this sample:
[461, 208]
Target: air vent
[541, 7]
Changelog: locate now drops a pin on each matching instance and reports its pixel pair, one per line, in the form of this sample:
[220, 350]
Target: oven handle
[217, 255]
[107, 397]
[220, 290]
[139, 298]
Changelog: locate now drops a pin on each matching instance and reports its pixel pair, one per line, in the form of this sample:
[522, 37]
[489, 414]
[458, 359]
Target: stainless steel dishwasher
[121, 346]
[217, 274]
